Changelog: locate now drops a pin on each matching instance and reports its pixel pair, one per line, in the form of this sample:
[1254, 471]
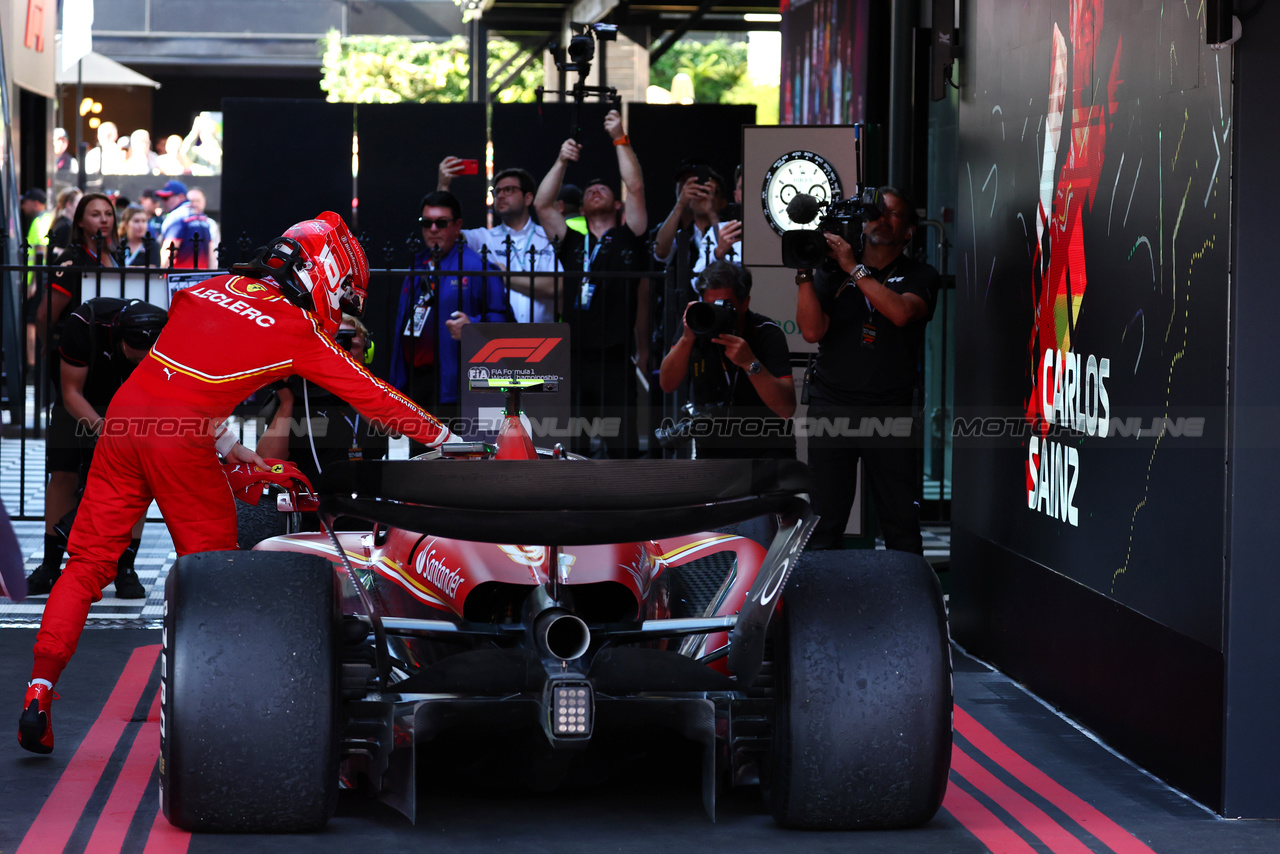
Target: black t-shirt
[748, 427]
[608, 318]
[86, 342]
[864, 358]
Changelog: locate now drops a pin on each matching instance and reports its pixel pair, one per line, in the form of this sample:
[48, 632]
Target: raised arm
[629, 169]
[544, 201]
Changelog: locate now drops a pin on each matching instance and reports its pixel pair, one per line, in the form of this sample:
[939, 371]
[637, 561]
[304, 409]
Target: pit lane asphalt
[1023, 780]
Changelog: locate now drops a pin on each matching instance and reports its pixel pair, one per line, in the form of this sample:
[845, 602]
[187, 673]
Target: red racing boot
[35, 727]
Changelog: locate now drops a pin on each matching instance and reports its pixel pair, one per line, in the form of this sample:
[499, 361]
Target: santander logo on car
[433, 570]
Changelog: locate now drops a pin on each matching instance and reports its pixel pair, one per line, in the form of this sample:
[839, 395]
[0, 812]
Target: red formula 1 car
[507, 593]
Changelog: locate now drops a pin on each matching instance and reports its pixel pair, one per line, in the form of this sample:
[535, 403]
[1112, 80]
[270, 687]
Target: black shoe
[41, 580]
[127, 584]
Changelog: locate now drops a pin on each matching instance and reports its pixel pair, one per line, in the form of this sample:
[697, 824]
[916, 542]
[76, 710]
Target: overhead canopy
[98, 70]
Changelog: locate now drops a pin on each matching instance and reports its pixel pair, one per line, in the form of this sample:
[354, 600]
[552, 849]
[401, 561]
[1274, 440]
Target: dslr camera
[804, 248]
[709, 319]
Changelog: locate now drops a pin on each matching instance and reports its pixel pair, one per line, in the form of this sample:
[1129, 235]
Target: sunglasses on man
[440, 224]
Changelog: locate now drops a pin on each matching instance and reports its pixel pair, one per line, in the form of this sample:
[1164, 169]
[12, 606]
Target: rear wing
[564, 503]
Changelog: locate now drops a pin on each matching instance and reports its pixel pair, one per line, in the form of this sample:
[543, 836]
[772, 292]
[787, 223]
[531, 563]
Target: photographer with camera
[867, 314]
[739, 370]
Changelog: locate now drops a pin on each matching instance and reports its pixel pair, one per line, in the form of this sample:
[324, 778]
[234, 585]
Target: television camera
[806, 248]
[577, 57]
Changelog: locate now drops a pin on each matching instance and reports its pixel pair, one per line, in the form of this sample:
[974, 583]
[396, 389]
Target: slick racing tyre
[258, 522]
[862, 719]
[249, 693]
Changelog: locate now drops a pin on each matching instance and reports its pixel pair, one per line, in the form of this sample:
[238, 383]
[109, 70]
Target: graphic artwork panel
[1092, 283]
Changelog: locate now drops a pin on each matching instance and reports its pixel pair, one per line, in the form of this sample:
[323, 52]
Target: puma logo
[168, 374]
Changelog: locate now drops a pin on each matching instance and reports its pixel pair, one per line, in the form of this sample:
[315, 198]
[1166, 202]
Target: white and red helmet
[319, 267]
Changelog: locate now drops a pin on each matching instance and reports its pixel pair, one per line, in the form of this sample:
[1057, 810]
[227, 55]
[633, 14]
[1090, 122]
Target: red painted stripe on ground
[1027, 814]
[982, 823]
[1091, 819]
[113, 824]
[57, 818]
[165, 838]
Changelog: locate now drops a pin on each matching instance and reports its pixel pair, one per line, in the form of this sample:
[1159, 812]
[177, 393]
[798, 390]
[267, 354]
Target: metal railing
[28, 400]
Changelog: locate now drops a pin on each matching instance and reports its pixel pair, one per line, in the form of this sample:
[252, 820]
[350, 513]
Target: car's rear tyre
[862, 720]
[249, 697]
[258, 522]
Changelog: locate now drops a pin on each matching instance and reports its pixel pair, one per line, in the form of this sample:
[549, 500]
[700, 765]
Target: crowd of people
[290, 315]
[199, 153]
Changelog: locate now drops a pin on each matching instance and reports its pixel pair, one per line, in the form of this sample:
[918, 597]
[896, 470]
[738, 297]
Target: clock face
[794, 173]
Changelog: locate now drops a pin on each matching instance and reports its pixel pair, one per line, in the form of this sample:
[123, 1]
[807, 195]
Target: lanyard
[588, 259]
[523, 250]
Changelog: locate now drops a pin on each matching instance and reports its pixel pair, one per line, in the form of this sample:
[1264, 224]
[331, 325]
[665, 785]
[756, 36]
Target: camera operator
[739, 369]
[867, 314]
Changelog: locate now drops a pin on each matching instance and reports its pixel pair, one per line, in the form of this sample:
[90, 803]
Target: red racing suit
[225, 339]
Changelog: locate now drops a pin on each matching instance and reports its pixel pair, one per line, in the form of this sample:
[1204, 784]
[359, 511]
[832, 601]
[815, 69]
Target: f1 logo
[34, 37]
[529, 349]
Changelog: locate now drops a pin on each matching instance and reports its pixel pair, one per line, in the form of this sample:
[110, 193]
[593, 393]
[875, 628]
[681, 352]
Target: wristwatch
[859, 272]
[755, 368]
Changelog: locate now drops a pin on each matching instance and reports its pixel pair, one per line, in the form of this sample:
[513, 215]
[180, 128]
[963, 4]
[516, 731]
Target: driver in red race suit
[226, 338]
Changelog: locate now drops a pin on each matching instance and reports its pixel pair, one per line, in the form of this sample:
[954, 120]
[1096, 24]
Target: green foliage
[388, 70]
[716, 67]
[766, 99]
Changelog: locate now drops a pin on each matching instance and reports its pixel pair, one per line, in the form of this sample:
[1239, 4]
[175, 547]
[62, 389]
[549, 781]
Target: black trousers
[889, 461]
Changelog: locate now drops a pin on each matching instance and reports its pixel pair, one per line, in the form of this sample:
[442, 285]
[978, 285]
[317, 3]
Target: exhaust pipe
[561, 634]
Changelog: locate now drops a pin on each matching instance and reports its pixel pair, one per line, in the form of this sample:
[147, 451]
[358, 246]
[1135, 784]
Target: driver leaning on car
[226, 338]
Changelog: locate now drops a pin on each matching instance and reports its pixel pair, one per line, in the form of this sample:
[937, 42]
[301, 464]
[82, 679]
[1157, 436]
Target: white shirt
[533, 237]
[705, 241]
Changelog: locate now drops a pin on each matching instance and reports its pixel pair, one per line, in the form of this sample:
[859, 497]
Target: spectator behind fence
[699, 200]
[185, 231]
[60, 231]
[569, 203]
[517, 243]
[169, 160]
[601, 311]
[435, 303]
[155, 211]
[141, 159]
[739, 371]
[107, 157]
[93, 244]
[139, 251]
[199, 203]
[30, 208]
[64, 164]
[201, 150]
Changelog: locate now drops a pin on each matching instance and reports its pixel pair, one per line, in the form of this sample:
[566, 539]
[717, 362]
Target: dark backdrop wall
[666, 134]
[1093, 234]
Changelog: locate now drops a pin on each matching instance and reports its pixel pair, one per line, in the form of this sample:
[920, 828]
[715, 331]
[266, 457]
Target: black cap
[35, 194]
[138, 324]
[570, 194]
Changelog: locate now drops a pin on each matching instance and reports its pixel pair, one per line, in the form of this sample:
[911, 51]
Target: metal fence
[28, 398]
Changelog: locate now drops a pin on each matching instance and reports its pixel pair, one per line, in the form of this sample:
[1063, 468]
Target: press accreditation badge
[585, 295]
[869, 336]
[421, 313]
